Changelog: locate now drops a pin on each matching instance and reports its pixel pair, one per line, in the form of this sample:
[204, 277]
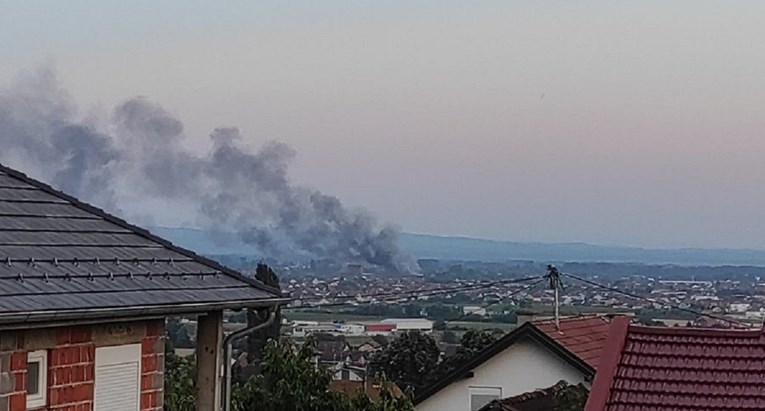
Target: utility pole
[554, 276]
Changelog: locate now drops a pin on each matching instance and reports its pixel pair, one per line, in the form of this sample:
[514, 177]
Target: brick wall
[13, 366]
[153, 367]
[71, 363]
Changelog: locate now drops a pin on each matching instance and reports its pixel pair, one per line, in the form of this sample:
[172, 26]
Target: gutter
[228, 343]
[26, 319]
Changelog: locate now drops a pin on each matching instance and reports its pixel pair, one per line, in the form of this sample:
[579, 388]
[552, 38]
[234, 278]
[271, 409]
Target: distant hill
[463, 248]
[429, 246]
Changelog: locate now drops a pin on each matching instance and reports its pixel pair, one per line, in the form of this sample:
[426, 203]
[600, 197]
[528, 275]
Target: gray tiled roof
[63, 259]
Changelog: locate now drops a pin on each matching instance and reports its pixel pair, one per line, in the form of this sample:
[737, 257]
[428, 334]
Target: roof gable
[527, 330]
[662, 369]
[61, 259]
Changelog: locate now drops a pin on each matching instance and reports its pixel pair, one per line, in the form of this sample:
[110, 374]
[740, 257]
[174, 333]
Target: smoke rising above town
[136, 152]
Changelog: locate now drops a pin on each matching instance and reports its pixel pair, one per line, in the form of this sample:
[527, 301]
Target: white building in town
[410, 324]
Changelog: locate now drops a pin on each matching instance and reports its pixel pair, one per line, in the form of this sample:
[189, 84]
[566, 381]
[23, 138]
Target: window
[118, 378]
[480, 396]
[37, 377]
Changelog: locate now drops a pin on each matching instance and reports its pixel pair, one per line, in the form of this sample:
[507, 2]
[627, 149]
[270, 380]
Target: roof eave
[23, 319]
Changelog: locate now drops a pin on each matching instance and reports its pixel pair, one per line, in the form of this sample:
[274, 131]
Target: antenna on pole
[554, 276]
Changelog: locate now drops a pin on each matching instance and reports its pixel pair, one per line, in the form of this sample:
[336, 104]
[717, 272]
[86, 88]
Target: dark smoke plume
[136, 155]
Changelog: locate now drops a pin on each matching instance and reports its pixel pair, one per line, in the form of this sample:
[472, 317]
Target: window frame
[483, 390]
[39, 400]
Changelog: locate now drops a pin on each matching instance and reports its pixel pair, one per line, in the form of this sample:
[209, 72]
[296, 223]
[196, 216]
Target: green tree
[257, 340]
[408, 360]
[177, 334]
[472, 342]
[573, 398]
[180, 382]
[290, 381]
[449, 337]
[386, 402]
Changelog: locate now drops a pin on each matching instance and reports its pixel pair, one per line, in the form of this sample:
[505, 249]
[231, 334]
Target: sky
[609, 122]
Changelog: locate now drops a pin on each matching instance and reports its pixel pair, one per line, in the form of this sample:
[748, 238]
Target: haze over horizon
[615, 123]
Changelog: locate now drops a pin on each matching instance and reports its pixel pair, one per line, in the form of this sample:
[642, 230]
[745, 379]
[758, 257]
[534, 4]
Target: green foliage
[472, 342]
[408, 360]
[386, 402]
[449, 337]
[573, 398]
[380, 339]
[257, 340]
[412, 359]
[177, 334]
[180, 382]
[289, 381]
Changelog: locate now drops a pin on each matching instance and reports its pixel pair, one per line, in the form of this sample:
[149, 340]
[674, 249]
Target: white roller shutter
[118, 378]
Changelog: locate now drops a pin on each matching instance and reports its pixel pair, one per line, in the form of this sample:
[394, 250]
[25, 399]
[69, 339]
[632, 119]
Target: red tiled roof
[583, 336]
[679, 369]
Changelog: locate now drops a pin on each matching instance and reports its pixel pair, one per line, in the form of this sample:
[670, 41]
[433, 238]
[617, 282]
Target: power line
[646, 299]
[397, 295]
[483, 307]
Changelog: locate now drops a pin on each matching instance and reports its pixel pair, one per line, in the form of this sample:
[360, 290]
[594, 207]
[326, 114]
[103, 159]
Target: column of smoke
[138, 152]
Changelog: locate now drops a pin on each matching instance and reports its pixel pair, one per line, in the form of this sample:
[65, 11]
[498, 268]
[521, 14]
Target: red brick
[88, 353]
[61, 376]
[19, 361]
[146, 382]
[80, 373]
[74, 355]
[21, 381]
[57, 357]
[81, 335]
[63, 395]
[147, 345]
[53, 396]
[64, 336]
[149, 363]
[90, 372]
[145, 400]
[82, 392]
[71, 372]
[17, 402]
[154, 328]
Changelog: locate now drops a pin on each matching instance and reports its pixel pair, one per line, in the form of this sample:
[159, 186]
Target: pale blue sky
[637, 123]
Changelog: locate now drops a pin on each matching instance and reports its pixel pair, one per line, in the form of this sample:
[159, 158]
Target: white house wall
[525, 366]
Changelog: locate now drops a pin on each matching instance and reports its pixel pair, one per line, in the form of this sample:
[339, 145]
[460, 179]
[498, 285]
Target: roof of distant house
[679, 368]
[332, 350]
[584, 336]
[540, 400]
[62, 259]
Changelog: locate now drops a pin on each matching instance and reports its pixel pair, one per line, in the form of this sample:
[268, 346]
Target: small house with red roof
[676, 369]
[534, 356]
